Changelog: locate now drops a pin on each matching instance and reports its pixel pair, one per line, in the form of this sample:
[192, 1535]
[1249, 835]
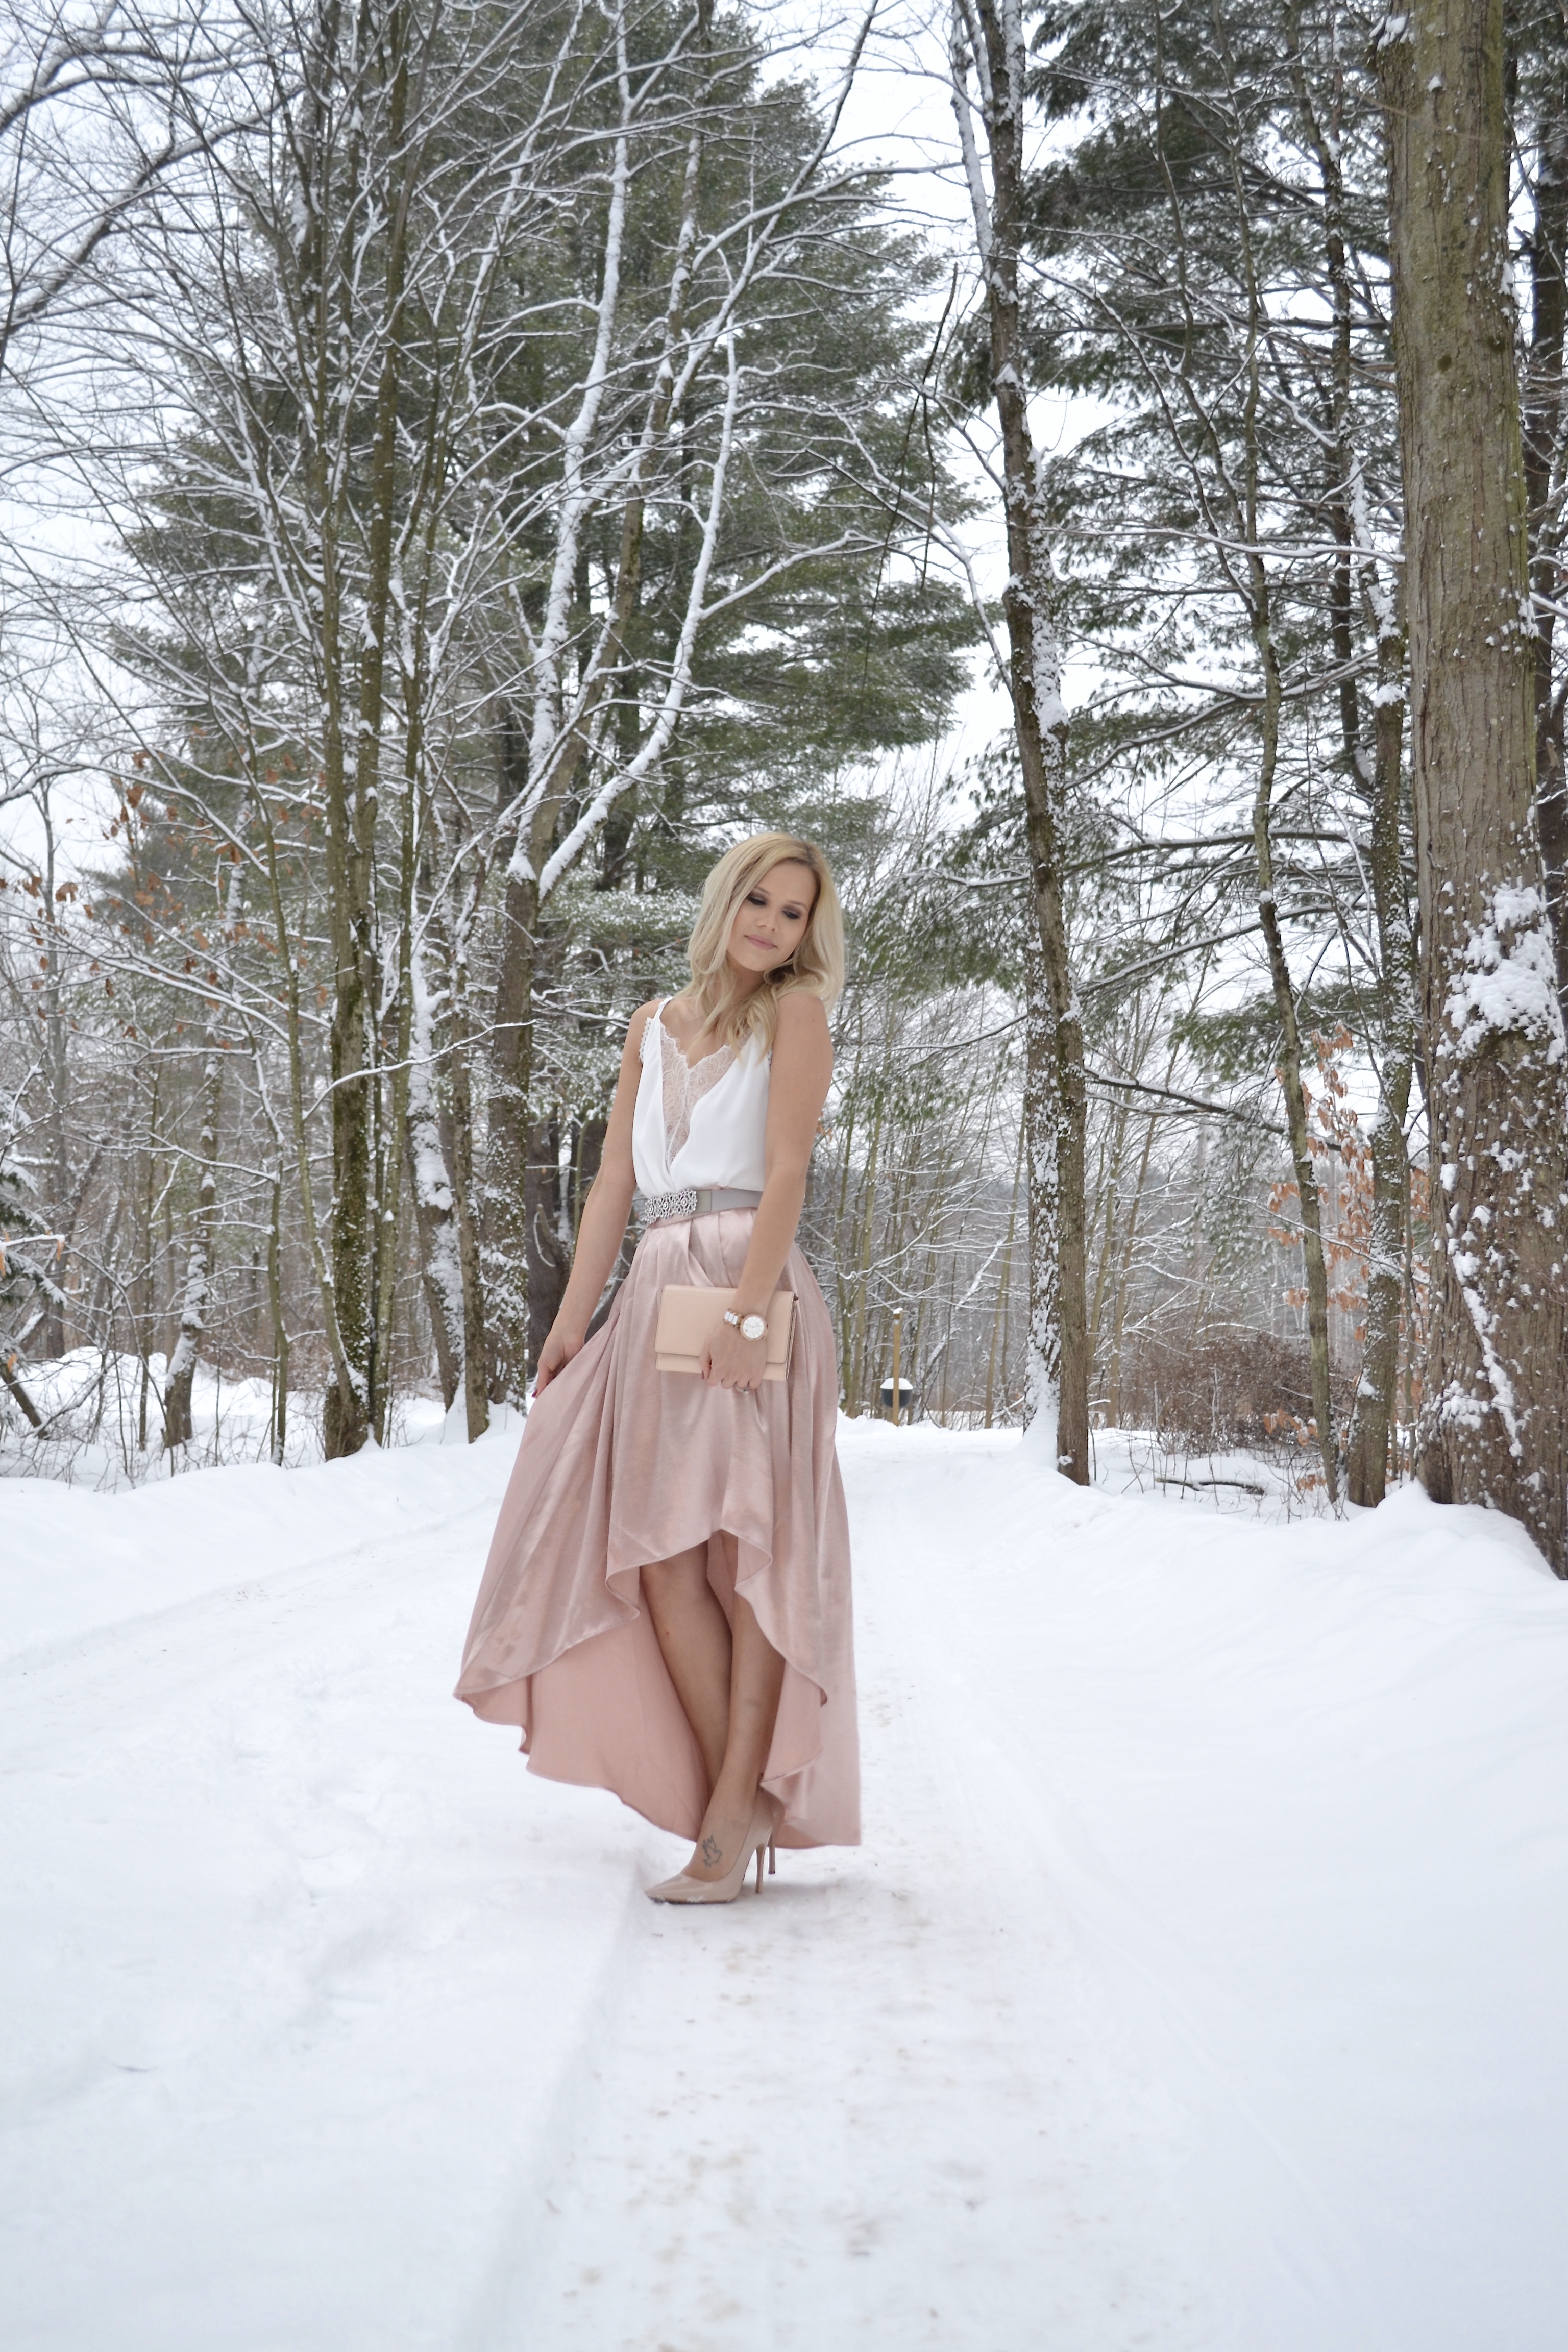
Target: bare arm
[603, 1219]
[797, 1088]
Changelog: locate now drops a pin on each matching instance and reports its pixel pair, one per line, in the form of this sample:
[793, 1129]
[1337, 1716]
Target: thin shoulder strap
[648, 1027]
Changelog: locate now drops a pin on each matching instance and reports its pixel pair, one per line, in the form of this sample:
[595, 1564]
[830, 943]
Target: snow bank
[1197, 1986]
[94, 1406]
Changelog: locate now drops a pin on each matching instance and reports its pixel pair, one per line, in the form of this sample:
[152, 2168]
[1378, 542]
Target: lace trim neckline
[683, 1085]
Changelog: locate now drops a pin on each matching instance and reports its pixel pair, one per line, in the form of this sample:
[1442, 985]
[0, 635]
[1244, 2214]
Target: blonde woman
[665, 1610]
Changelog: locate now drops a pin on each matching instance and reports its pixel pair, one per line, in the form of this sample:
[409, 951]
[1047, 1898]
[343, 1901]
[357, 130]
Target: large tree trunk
[1495, 1415]
[1056, 1110]
[1543, 475]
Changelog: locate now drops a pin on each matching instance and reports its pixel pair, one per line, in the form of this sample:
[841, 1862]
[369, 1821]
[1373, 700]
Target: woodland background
[466, 464]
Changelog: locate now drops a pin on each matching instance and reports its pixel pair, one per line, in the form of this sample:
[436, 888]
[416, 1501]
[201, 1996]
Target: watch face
[755, 1328]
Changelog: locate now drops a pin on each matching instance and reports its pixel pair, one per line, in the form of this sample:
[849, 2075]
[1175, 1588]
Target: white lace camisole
[702, 1124]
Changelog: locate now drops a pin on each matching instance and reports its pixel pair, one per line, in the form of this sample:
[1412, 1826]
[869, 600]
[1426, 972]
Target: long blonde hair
[815, 968]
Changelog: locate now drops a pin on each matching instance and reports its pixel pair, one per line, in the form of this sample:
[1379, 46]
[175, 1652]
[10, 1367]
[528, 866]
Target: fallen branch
[1244, 1485]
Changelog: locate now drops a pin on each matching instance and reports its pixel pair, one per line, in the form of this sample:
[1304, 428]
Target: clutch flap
[688, 1318]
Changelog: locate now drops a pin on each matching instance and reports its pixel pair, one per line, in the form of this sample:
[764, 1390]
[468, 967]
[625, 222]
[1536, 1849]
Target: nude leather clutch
[688, 1318]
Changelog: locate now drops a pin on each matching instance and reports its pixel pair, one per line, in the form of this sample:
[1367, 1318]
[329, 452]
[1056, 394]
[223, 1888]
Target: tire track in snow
[289, 1972]
[127, 1670]
[1285, 2251]
[284, 1586]
[886, 2105]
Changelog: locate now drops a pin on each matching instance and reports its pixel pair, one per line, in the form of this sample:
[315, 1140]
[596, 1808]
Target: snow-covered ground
[1198, 1984]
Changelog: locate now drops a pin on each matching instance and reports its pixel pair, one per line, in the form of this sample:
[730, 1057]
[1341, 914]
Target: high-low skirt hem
[620, 1465]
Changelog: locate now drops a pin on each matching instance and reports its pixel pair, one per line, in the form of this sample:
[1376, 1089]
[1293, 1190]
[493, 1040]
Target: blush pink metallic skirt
[621, 1464]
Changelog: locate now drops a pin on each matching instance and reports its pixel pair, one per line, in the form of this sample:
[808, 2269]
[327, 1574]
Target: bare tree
[717, 272]
[989, 92]
[101, 103]
[388, 497]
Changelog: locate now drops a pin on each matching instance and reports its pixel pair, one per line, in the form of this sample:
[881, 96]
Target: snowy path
[885, 2106]
[1197, 1986]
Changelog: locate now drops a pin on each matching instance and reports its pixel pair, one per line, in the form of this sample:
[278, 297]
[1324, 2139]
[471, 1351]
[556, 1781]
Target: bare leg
[694, 1636]
[728, 1684]
[756, 1678]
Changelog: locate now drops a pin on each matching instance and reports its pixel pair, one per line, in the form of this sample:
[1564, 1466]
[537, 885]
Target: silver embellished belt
[691, 1200]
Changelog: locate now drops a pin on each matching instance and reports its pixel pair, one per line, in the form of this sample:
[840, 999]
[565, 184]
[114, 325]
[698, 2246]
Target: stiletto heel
[684, 1888]
[773, 1863]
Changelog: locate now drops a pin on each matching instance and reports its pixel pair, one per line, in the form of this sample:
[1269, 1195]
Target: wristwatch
[749, 1327]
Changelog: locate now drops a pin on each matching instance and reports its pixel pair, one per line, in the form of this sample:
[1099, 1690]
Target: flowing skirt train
[621, 1464]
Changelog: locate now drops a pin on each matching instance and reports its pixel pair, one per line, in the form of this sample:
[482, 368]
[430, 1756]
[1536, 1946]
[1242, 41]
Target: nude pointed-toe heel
[683, 1888]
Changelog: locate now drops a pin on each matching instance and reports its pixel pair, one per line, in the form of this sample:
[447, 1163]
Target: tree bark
[1373, 1414]
[1543, 421]
[506, 1156]
[1495, 1413]
[476, 1388]
[349, 1411]
[328, 330]
[56, 1336]
[430, 1183]
[383, 1166]
[454, 1100]
[1056, 1113]
[290, 960]
[1379, 778]
[178, 1424]
[15, 1386]
[280, 1329]
[549, 1259]
[1290, 1086]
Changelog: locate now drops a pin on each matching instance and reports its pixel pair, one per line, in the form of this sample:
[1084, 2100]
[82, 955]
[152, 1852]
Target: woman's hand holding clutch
[731, 1361]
